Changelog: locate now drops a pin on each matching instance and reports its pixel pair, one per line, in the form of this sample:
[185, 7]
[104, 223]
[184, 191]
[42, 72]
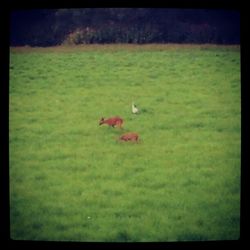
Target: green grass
[71, 180]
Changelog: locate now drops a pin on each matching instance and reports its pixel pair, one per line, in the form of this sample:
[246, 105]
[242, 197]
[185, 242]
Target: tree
[128, 25]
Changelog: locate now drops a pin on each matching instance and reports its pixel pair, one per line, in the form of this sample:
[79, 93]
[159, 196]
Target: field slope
[71, 180]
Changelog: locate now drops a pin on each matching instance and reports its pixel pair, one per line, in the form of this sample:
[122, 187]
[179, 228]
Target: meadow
[71, 180]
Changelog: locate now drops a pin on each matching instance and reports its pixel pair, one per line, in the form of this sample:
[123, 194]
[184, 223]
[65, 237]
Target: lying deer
[113, 121]
[131, 136]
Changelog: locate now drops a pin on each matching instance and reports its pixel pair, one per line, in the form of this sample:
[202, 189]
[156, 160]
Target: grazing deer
[113, 121]
[131, 136]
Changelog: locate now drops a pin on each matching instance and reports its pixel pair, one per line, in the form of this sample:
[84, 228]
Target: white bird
[135, 110]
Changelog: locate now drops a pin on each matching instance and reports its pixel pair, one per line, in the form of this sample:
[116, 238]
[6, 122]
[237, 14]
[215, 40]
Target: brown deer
[131, 136]
[113, 121]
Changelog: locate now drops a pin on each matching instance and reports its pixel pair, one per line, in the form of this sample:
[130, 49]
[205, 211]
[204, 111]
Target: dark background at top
[49, 27]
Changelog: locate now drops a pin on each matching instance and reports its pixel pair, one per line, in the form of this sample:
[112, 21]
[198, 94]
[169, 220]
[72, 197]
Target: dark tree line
[43, 27]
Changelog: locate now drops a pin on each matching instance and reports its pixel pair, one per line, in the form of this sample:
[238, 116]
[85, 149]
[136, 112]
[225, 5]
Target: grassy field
[71, 180]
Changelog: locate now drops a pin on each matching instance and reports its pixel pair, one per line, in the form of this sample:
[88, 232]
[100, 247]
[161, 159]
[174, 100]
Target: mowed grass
[71, 180]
